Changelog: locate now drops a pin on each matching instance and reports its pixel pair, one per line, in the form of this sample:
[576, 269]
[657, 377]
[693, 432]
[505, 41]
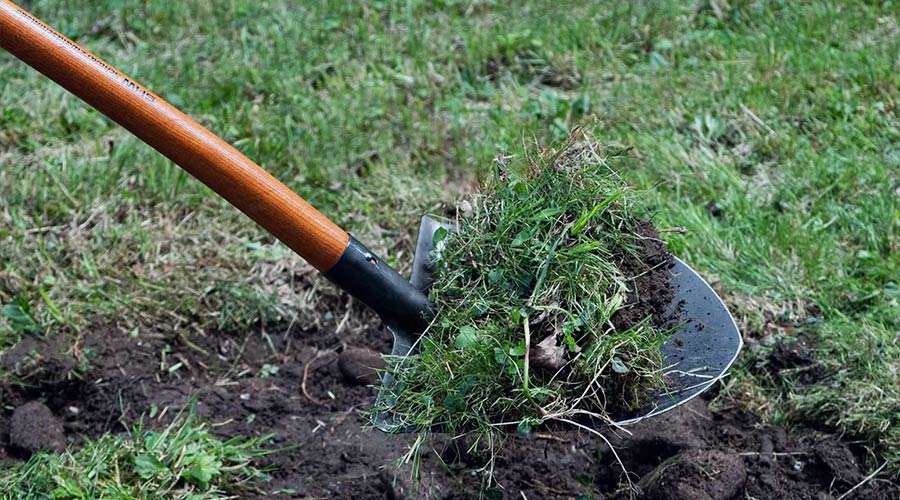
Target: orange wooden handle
[204, 155]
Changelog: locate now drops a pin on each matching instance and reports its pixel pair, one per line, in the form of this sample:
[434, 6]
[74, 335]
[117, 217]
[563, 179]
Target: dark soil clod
[39, 358]
[787, 355]
[33, 428]
[696, 475]
[838, 462]
[361, 366]
[796, 359]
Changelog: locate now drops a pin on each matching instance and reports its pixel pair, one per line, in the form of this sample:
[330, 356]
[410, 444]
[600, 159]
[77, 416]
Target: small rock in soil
[34, 428]
[696, 475]
[361, 366]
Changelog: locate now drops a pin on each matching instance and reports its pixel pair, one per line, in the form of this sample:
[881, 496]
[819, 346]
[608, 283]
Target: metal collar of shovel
[700, 358]
[403, 307]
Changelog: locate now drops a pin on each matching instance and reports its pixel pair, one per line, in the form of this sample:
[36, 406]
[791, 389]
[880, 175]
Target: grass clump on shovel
[532, 305]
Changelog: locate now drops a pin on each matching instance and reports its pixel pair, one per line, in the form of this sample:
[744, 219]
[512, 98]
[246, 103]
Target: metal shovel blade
[695, 357]
[701, 351]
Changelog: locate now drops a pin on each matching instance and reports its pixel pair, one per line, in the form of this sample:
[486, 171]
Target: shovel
[697, 355]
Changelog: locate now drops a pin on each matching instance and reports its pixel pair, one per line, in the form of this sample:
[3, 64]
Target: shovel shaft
[184, 141]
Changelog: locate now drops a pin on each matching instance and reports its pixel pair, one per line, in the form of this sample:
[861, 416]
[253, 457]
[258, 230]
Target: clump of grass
[872, 417]
[182, 461]
[526, 293]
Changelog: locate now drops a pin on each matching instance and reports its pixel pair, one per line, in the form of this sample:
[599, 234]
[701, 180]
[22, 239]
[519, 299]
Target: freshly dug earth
[696, 474]
[337, 458]
[33, 428]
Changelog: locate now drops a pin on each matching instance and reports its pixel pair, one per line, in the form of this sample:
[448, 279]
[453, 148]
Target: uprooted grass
[525, 294]
[181, 461]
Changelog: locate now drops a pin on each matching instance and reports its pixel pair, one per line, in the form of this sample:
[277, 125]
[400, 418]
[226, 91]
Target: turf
[528, 293]
[181, 461]
[766, 129]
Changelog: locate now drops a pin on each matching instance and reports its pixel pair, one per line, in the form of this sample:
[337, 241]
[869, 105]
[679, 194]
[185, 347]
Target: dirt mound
[33, 427]
[696, 475]
[290, 384]
[804, 464]
[42, 359]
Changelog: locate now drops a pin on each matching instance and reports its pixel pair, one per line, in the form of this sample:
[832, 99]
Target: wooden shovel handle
[204, 155]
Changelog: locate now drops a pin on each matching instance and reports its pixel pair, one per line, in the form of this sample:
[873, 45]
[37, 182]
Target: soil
[795, 359]
[713, 209]
[647, 267]
[290, 384]
[304, 387]
[33, 427]
[361, 366]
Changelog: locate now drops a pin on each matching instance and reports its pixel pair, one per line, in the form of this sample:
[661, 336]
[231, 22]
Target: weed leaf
[148, 466]
[467, 336]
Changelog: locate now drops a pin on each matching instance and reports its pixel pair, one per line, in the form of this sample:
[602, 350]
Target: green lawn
[784, 114]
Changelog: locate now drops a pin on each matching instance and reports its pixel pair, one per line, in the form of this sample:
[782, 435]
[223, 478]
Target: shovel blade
[700, 352]
[696, 356]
